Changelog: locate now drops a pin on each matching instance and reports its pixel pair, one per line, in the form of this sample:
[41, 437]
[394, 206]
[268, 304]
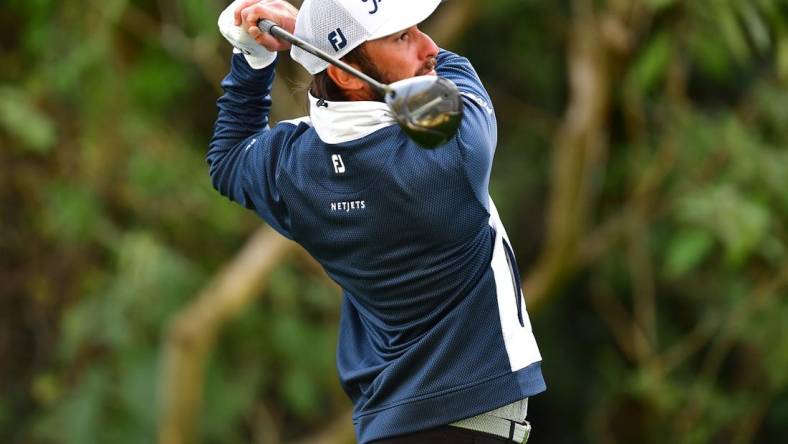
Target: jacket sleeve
[243, 154]
[478, 133]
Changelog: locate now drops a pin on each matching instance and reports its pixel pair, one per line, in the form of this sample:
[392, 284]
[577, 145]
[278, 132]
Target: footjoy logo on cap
[374, 4]
[337, 39]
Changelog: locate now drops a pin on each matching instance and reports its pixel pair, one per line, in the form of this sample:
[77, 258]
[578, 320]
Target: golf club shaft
[278, 32]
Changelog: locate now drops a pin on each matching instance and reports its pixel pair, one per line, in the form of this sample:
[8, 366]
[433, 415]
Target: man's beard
[372, 70]
[428, 67]
[384, 77]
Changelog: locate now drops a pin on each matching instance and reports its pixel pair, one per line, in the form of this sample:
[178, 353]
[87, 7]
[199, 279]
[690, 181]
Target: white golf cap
[339, 26]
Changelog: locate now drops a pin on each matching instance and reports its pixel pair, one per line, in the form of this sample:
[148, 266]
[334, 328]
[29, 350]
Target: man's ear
[350, 84]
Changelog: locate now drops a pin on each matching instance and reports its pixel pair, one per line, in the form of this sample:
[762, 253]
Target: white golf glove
[256, 55]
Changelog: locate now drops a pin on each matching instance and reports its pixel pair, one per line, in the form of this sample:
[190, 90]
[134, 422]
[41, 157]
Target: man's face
[402, 55]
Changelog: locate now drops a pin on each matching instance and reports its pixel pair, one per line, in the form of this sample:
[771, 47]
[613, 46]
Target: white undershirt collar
[339, 122]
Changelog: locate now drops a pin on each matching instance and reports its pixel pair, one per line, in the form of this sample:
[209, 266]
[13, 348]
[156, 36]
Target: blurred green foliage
[675, 333]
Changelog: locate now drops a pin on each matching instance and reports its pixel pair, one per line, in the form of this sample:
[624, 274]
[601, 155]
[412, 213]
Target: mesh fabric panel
[317, 26]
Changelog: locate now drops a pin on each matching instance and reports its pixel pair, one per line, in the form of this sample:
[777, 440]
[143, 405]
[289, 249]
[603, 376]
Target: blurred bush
[666, 327]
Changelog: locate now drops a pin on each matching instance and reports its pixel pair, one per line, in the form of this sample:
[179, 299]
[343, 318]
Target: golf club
[428, 108]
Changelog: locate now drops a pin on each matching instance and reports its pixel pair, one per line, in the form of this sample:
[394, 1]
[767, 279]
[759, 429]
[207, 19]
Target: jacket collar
[339, 122]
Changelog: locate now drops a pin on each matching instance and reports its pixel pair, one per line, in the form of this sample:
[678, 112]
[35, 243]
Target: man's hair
[323, 87]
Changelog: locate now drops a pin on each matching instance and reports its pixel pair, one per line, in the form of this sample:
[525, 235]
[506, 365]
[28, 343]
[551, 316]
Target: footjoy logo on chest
[339, 166]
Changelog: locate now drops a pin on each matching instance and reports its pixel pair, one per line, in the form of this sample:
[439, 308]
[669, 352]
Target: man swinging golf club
[435, 342]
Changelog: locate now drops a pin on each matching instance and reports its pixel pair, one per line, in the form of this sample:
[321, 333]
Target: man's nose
[428, 48]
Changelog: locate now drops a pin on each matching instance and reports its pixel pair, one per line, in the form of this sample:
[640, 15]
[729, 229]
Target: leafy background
[642, 171]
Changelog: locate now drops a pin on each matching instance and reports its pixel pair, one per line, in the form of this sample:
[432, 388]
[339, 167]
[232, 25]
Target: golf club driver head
[428, 108]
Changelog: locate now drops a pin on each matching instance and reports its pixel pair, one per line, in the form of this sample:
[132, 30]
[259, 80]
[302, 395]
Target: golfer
[435, 344]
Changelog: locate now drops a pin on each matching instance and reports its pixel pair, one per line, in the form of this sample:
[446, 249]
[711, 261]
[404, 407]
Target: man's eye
[403, 36]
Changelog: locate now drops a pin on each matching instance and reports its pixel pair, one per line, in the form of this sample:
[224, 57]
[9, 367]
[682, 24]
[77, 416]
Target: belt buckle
[526, 426]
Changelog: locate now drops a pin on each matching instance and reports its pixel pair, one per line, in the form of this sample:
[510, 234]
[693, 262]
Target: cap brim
[411, 12]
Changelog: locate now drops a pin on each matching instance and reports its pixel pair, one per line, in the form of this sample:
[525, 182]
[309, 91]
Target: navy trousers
[445, 435]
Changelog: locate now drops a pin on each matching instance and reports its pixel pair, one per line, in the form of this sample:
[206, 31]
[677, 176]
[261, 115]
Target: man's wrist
[253, 81]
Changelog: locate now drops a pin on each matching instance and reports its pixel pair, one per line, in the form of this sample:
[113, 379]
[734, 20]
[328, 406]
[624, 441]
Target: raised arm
[478, 133]
[243, 154]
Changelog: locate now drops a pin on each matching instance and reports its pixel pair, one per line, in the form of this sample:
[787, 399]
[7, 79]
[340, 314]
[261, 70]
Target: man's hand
[249, 12]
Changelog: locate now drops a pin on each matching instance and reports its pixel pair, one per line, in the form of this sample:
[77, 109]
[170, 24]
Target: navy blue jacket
[433, 326]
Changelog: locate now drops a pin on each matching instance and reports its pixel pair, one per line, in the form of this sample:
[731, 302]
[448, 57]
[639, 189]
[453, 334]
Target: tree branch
[191, 334]
[580, 152]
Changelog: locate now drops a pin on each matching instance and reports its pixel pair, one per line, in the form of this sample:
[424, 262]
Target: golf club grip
[268, 26]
